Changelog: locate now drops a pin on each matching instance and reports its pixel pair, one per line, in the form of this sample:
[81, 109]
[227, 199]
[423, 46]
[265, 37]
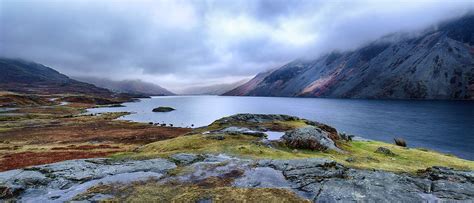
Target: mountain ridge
[24, 76]
[128, 86]
[437, 64]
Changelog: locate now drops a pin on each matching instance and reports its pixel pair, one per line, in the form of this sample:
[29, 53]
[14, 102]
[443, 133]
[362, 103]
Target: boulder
[186, 159]
[309, 137]
[384, 151]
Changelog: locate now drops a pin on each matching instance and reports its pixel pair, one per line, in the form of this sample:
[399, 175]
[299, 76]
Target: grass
[211, 189]
[362, 153]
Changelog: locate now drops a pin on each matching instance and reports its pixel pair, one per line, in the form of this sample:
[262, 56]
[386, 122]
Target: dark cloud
[182, 43]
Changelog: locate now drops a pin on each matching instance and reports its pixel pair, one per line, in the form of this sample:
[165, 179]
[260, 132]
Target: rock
[384, 151]
[324, 180]
[186, 159]
[400, 142]
[163, 109]
[262, 177]
[346, 137]
[240, 130]
[309, 137]
[256, 118]
[63, 180]
[350, 159]
[12, 191]
[216, 137]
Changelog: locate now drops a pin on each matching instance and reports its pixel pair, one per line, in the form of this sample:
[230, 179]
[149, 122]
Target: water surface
[446, 126]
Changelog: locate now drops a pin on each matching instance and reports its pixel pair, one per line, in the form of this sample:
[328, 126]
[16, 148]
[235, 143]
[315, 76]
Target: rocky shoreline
[231, 158]
[318, 180]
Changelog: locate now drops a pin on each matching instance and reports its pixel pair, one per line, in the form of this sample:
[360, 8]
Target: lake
[446, 126]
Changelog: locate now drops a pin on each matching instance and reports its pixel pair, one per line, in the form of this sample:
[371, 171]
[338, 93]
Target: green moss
[361, 153]
[183, 192]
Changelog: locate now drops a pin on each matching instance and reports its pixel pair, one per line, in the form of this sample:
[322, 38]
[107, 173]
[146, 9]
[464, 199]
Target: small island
[163, 109]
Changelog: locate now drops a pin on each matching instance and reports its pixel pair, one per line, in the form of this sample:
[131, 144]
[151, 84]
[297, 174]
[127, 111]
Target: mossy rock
[163, 109]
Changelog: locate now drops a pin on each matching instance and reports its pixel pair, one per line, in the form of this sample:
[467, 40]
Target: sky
[179, 44]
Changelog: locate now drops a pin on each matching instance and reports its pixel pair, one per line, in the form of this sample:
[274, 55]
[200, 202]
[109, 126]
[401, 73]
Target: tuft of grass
[362, 153]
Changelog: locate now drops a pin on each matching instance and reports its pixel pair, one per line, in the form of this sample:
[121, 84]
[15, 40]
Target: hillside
[128, 86]
[437, 64]
[212, 89]
[29, 77]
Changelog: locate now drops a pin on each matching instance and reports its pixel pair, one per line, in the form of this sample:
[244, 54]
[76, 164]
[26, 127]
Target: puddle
[274, 135]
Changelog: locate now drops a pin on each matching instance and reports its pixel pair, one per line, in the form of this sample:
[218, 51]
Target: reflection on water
[446, 126]
[274, 135]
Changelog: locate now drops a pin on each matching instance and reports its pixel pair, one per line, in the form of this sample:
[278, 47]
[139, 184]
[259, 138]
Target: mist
[181, 44]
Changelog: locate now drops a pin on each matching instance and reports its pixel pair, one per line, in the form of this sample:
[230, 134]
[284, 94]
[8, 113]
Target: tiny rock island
[163, 109]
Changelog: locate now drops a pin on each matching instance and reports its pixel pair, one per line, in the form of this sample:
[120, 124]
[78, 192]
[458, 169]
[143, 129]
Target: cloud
[179, 43]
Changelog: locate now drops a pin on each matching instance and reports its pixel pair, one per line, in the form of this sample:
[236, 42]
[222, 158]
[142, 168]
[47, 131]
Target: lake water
[446, 126]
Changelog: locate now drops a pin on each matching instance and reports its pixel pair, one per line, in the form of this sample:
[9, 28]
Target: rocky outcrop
[63, 180]
[186, 159]
[316, 179]
[309, 137]
[255, 121]
[327, 181]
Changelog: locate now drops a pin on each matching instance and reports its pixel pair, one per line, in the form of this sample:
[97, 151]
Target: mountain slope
[128, 86]
[28, 77]
[439, 64]
[212, 89]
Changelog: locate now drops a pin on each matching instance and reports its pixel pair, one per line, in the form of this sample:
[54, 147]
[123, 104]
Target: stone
[186, 159]
[10, 191]
[61, 181]
[309, 137]
[262, 177]
[384, 151]
[241, 130]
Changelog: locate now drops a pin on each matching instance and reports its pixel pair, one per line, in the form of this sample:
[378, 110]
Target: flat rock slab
[63, 180]
[323, 180]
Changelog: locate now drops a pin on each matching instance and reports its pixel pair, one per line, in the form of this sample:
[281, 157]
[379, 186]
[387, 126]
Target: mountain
[127, 86]
[28, 77]
[436, 64]
[212, 89]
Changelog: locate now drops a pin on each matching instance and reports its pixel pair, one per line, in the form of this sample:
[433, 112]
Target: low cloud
[178, 44]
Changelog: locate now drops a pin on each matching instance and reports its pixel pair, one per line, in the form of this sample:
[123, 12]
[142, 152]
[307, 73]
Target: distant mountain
[127, 86]
[212, 89]
[28, 77]
[437, 64]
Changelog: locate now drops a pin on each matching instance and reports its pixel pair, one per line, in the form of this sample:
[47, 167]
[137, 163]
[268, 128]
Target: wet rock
[309, 137]
[186, 159]
[384, 151]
